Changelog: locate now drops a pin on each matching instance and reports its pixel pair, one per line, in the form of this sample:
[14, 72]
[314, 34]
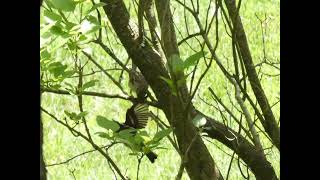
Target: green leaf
[57, 68]
[46, 28]
[68, 74]
[70, 85]
[192, 60]
[45, 54]
[95, 7]
[103, 135]
[82, 114]
[181, 81]
[70, 25]
[161, 134]
[72, 45]
[93, 29]
[93, 20]
[143, 133]
[152, 144]
[199, 120]
[128, 135]
[89, 84]
[56, 86]
[58, 31]
[52, 16]
[71, 115]
[138, 139]
[82, 37]
[171, 85]
[177, 63]
[61, 41]
[64, 5]
[107, 124]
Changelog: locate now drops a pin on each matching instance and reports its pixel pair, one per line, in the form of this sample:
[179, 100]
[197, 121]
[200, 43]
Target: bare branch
[88, 140]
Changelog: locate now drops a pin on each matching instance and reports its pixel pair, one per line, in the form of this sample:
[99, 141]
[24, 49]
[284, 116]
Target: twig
[105, 72]
[88, 140]
[188, 37]
[162, 125]
[72, 158]
[80, 100]
[88, 93]
[230, 113]
[97, 94]
[138, 168]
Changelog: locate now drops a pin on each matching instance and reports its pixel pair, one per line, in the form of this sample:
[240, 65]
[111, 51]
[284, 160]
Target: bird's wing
[141, 112]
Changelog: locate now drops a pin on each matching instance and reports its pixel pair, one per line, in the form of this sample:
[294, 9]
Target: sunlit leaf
[95, 7]
[71, 115]
[171, 85]
[57, 30]
[67, 74]
[161, 134]
[64, 5]
[107, 124]
[103, 135]
[46, 28]
[83, 114]
[52, 16]
[45, 54]
[61, 42]
[192, 60]
[93, 29]
[89, 84]
[176, 63]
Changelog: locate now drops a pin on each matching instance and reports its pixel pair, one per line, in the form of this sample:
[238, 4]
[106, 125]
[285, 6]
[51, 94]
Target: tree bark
[261, 168]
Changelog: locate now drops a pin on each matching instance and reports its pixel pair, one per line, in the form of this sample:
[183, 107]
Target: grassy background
[60, 144]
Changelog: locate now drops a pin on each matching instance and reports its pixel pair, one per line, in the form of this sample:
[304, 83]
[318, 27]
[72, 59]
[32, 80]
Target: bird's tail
[152, 156]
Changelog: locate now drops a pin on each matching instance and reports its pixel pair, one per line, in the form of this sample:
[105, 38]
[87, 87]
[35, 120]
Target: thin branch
[97, 94]
[88, 93]
[111, 54]
[138, 168]
[162, 125]
[74, 157]
[105, 72]
[88, 140]
[97, 71]
[189, 37]
[252, 129]
[80, 99]
[230, 113]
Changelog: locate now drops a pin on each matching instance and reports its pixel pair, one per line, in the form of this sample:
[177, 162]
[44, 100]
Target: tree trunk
[200, 164]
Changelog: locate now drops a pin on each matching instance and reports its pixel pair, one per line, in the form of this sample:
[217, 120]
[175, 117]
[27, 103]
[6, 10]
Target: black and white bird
[137, 117]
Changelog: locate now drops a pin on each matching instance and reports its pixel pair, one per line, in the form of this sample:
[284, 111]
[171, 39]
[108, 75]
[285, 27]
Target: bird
[137, 118]
[138, 84]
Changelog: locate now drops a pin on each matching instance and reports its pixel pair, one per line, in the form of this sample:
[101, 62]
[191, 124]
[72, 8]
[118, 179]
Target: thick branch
[261, 168]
